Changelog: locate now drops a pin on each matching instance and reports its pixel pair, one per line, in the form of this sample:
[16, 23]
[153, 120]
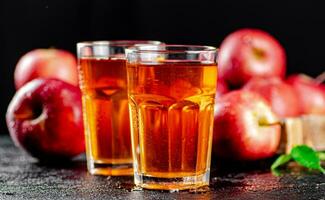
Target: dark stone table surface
[22, 177]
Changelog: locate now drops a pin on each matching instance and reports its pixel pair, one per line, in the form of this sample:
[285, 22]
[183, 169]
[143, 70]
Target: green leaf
[276, 172]
[281, 160]
[306, 157]
[321, 155]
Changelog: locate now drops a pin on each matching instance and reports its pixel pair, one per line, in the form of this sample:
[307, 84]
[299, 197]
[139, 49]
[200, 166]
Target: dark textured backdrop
[30, 24]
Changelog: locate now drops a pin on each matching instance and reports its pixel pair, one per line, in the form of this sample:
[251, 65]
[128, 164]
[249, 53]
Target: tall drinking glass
[171, 91]
[102, 77]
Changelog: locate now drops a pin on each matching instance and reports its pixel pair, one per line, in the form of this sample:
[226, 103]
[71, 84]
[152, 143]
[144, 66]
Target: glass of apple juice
[171, 92]
[102, 78]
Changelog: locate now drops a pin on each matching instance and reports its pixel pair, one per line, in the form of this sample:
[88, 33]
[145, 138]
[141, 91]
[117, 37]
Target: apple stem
[320, 78]
[274, 123]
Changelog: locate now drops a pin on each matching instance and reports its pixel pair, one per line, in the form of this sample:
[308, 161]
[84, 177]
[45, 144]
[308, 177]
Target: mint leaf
[281, 160]
[321, 155]
[306, 157]
[276, 172]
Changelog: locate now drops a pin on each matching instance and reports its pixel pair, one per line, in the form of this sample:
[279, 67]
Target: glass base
[173, 184]
[108, 169]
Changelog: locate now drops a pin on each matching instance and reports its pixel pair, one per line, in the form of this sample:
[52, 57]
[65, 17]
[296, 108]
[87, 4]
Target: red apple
[281, 96]
[46, 63]
[249, 53]
[222, 88]
[45, 119]
[311, 93]
[245, 127]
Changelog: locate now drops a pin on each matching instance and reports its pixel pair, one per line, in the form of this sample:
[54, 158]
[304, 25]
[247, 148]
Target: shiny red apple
[46, 63]
[245, 127]
[282, 97]
[45, 119]
[311, 93]
[249, 53]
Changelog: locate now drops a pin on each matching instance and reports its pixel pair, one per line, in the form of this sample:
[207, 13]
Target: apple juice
[106, 116]
[171, 109]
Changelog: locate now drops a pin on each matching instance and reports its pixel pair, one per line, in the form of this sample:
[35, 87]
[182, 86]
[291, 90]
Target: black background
[30, 24]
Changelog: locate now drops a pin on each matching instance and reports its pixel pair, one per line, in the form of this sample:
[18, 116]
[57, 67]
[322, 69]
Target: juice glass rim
[176, 48]
[117, 43]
